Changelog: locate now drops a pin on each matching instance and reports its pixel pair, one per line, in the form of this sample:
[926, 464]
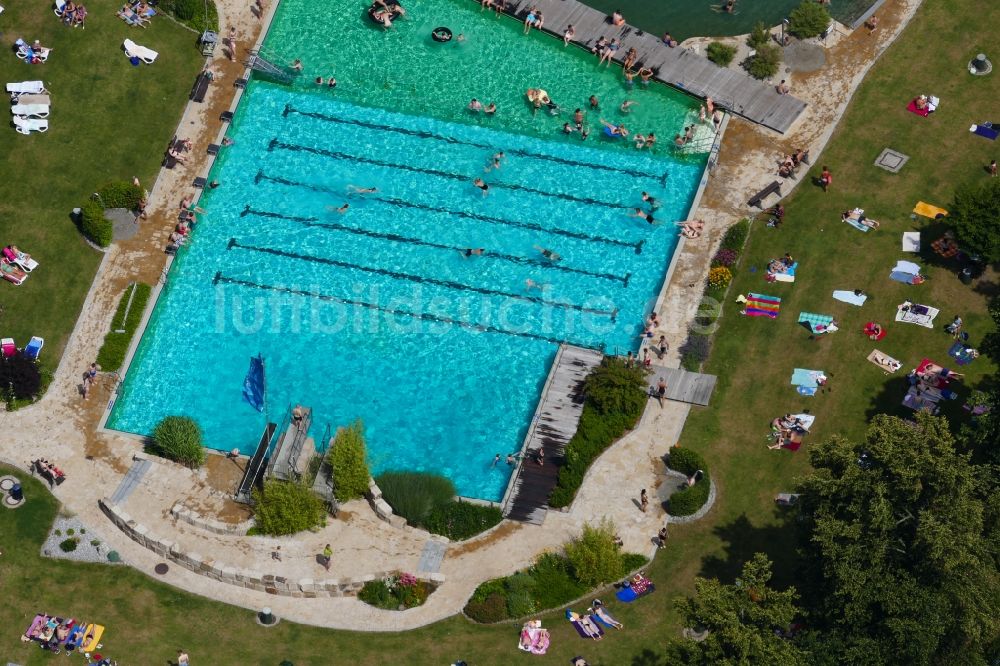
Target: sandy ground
[61, 427]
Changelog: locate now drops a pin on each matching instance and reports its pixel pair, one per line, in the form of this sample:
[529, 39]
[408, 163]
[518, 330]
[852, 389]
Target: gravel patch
[86, 550]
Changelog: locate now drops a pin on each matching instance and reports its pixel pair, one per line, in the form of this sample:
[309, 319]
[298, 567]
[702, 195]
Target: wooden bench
[200, 88]
[773, 188]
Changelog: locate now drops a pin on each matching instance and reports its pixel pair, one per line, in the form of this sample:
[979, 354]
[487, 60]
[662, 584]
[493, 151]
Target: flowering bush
[719, 277]
[407, 580]
[397, 591]
[724, 257]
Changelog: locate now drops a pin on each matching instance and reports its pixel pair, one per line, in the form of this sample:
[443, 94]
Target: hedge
[286, 507]
[178, 438]
[120, 194]
[689, 499]
[196, 14]
[427, 501]
[686, 461]
[93, 224]
[112, 353]
[461, 520]
[348, 460]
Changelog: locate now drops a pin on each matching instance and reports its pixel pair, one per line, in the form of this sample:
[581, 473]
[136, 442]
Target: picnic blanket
[962, 353]
[929, 210]
[920, 401]
[817, 323]
[906, 272]
[761, 305]
[985, 130]
[912, 313]
[884, 361]
[911, 241]
[807, 378]
[850, 297]
[630, 594]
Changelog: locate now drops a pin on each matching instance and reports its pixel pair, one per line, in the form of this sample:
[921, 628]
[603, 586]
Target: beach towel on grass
[906, 272]
[807, 378]
[628, 594]
[805, 420]
[921, 315]
[912, 108]
[583, 632]
[960, 352]
[857, 224]
[911, 241]
[761, 305]
[884, 361]
[985, 132]
[929, 210]
[849, 297]
[817, 323]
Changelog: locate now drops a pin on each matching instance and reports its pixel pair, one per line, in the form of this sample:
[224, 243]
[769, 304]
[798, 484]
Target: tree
[808, 20]
[897, 564]
[594, 555]
[975, 214]
[616, 390]
[20, 377]
[350, 466]
[286, 507]
[739, 621]
[178, 438]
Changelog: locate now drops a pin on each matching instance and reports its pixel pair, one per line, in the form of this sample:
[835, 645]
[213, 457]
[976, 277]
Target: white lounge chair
[29, 125]
[30, 110]
[59, 8]
[133, 50]
[26, 88]
[42, 54]
[24, 261]
[33, 99]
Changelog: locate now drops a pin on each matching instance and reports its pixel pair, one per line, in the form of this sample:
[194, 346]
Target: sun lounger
[850, 297]
[20, 259]
[133, 50]
[28, 54]
[34, 347]
[13, 274]
[913, 313]
[761, 305]
[986, 131]
[818, 324]
[911, 241]
[30, 110]
[887, 363]
[929, 210]
[29, 125]
[25, 88]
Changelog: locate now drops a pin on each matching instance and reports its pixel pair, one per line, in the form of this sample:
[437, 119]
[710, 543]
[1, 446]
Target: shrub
[70, 532]
[348, 460]
[286, 507]
[759, 36]
[461, 520]
[686, 461]
[178, 438]
[491, 609]
[20, 377]
[520, 603]
[197, 14]
[719, 277]
[808, 20]
[68, 545]
[112, 353]
[554, 582]
[765, 63]
[95, 542]
[721, 54]
[120, 194]
[617, 390]
[688, 500]
[414, 495]
[736, 236]
[93, 224]
[594, 555]
[394, 591]
[633, 561]
[694, 350]
[375, 593]
[725, 257]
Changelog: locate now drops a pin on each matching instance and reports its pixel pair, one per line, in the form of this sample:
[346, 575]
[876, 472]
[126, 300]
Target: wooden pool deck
[553, 425]
[757, 101]
[682, 386]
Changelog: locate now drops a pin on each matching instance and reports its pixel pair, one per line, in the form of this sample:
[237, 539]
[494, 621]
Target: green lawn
[147, 621]
[109, 120]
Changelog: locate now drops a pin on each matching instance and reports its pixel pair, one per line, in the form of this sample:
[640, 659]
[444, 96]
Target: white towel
[850, 297]
[911, 241]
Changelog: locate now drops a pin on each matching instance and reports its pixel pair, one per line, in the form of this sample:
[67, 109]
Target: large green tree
[975, 214]
[739, 623]
[899, 565]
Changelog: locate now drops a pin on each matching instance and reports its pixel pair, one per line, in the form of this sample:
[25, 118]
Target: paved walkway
[61, 426]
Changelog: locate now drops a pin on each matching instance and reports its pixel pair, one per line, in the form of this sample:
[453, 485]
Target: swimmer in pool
[341, 210]
[495, 162]
[547, 253]
[354, 189]
[481, 184]
[640, 213]
[473, 251]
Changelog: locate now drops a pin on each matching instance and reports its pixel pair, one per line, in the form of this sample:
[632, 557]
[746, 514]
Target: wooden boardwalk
[745, 96]
[683, 386]
[554, 423]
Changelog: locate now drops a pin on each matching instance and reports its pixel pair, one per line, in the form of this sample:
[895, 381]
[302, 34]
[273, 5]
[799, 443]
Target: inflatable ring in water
[441, 34]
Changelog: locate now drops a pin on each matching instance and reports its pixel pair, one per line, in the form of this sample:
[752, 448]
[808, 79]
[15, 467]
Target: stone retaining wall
[255, 580]
[190, 516]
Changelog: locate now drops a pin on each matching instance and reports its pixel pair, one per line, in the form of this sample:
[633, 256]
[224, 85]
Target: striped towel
[761, 305]
[817, 323]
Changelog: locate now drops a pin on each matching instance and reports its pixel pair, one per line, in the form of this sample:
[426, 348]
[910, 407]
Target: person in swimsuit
[481, 184]
[615, 131]
[473, 252]
[547, 253]
[475, 106]
[661, 390]
[594, 103]
[650, 201]
[529, 20]
[645, 74]
[640, 213]
[568, 35]
[354, 189]
[495, 162]
[626, 105]
[490, 109]
[650, 140]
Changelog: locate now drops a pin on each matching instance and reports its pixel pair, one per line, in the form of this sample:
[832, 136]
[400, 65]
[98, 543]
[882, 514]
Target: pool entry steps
[755, 100]
[553, 425]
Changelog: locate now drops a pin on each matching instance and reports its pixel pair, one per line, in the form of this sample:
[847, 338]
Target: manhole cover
[891, 160]
[161, 568]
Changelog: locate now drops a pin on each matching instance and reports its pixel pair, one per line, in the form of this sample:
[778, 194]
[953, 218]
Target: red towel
[912, 108]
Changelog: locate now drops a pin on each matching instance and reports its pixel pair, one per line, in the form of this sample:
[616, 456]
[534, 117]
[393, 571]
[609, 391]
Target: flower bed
[396, 592]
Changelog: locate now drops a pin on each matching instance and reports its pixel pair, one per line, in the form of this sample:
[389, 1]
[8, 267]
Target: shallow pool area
[369, 304]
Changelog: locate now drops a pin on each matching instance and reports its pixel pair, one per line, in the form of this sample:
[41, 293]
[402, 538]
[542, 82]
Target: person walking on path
[89, 378]
[276, 554]
[182, 658]
[643, 500]
[327, 557]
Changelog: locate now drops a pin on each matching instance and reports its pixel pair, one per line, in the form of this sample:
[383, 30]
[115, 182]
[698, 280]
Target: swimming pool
[375, 312]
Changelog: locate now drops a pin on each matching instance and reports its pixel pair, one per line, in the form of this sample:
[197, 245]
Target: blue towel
[806, 391]
[986, 132]
[807, 378]
[857, 225]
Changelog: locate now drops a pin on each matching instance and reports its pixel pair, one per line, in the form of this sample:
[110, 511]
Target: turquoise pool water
[375, 312]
